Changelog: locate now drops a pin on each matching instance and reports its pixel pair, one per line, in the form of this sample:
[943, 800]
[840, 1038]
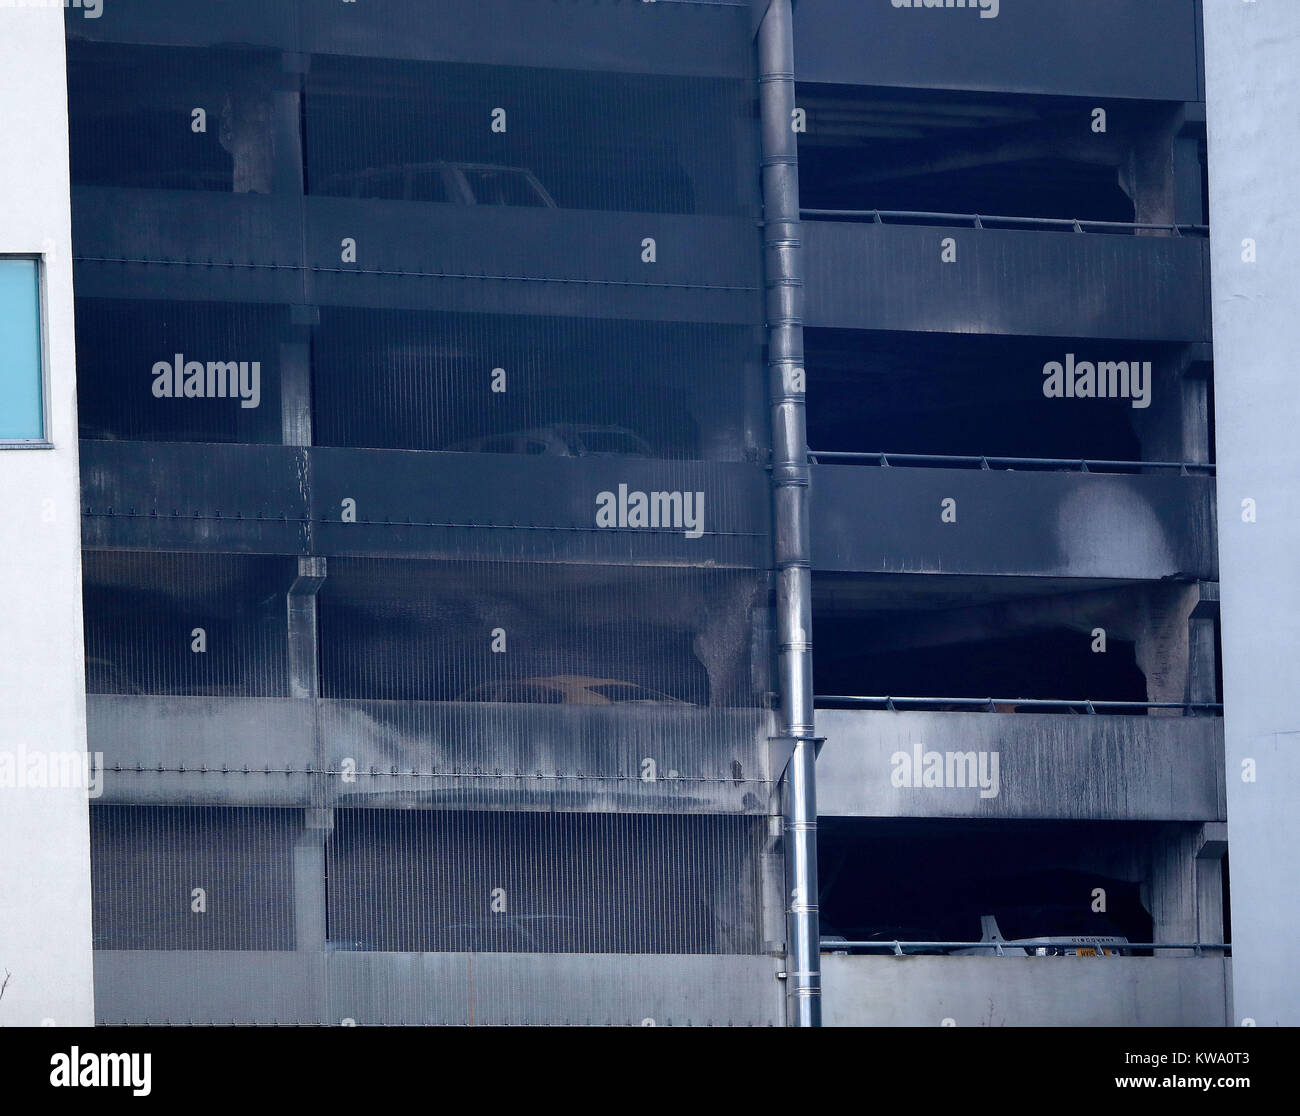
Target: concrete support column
[295, 377]
[287, 170]
[1176, 427]
[1146, 173]
[309, 874]
[1203, 624]
[723, 643]
[1184, 887]
[1189, 177]
[1161, 637]
[309, 866]
[1171, 887]
[1209, 881]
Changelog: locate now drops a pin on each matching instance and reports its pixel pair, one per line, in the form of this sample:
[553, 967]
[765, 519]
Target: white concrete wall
[1252, 63]
[44, 835]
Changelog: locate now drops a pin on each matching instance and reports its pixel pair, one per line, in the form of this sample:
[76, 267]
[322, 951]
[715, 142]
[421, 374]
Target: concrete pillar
[1146, 172]
[1184, 886]
[1209, 881]
[1176, 427]
[1189, 193]
[722, 643]
[309, 880]
[1203, 624]
[1170, 889]
[1161, 637]
[287, 171]
[304, 670]
[310, 872]
[261, 128]
[309, 867]
[295, 377]
[1194, 389]
[773, 891]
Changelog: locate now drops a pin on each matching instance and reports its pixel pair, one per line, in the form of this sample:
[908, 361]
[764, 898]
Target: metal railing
[972, 461]
[984, 221]
[990, 704]
[897, 948]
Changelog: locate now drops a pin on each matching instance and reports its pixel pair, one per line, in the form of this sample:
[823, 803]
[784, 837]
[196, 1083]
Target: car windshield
[501, 187]
[427, 185]
[626, 691]
[525, 691]
[611, 441]
[384, 184]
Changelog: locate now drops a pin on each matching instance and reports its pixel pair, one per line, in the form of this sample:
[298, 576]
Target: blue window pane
[21, 405]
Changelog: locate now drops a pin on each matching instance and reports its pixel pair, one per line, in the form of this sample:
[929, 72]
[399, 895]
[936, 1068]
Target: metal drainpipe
[790, 478]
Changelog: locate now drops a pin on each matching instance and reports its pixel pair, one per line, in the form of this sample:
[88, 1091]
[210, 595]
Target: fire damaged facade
[697, 512]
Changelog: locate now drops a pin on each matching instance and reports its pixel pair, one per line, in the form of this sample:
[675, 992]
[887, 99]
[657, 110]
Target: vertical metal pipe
[783, 278]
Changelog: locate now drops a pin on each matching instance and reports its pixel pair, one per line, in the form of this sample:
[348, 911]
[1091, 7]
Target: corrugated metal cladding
[423, 379]
[427, 591]
[417, 881]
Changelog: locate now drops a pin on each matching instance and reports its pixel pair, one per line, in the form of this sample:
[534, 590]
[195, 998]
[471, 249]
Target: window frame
[45, 440]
